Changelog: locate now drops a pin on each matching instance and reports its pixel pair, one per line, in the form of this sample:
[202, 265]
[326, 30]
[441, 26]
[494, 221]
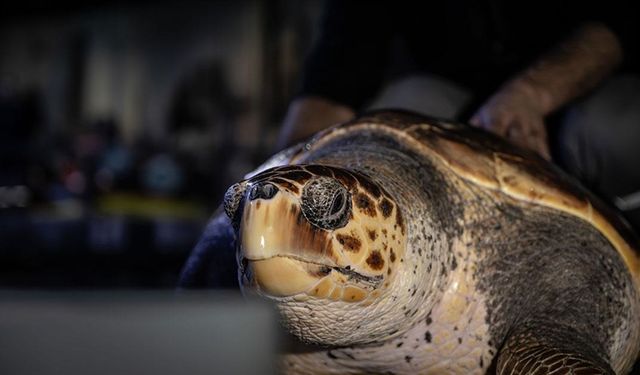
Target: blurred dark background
[122, 124]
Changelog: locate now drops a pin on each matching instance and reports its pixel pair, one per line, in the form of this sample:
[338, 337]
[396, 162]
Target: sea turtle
[397, 243]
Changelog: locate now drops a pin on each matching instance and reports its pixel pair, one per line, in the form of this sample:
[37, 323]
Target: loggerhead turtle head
[313, 231]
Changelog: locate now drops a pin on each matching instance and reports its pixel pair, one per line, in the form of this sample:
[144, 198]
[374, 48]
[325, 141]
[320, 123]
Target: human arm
[308, 115]
[342, 71]
[572, 69]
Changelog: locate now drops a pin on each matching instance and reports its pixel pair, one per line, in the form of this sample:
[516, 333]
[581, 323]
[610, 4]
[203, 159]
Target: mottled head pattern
[313, 231]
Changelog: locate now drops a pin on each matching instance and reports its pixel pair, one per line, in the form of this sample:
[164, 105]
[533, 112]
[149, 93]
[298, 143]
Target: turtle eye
[326, 203]
[338, 204]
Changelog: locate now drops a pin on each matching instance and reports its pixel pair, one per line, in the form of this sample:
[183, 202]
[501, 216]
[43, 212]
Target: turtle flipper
[212, 263]
[540, 348]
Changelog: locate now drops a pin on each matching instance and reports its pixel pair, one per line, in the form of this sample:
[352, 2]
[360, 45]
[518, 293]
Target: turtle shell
[492, 163]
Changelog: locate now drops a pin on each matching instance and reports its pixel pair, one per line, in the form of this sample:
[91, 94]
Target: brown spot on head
[263, 175]
[372, 234]
[298, 176]
[286, 184]
[368, 185]
[375, 260]
[319, 170]
[386, 207]
[365, 204]
[400, 221]
[349, 243]
[392, 257]
[258, 203]
[345, 178]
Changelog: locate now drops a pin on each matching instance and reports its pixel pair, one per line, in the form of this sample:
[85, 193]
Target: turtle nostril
[254, 192]
[268, 191]
[263, 191]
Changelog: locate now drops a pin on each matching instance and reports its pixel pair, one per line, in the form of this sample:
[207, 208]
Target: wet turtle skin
[397, 243]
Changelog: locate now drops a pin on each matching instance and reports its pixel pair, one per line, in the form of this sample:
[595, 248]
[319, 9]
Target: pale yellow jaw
[282, 277]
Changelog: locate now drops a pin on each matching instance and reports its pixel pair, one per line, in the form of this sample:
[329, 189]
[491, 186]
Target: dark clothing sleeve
[348, 60]
[476, 43]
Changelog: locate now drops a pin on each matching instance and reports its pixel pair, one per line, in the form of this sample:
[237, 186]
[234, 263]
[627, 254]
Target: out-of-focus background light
[122, 123]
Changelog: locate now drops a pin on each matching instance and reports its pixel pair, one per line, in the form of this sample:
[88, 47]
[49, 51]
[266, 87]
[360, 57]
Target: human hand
[308, 115]
[515, 112]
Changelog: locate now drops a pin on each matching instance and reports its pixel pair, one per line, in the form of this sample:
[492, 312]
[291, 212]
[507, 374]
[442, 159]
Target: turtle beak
[279, 251]
[281, 276]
